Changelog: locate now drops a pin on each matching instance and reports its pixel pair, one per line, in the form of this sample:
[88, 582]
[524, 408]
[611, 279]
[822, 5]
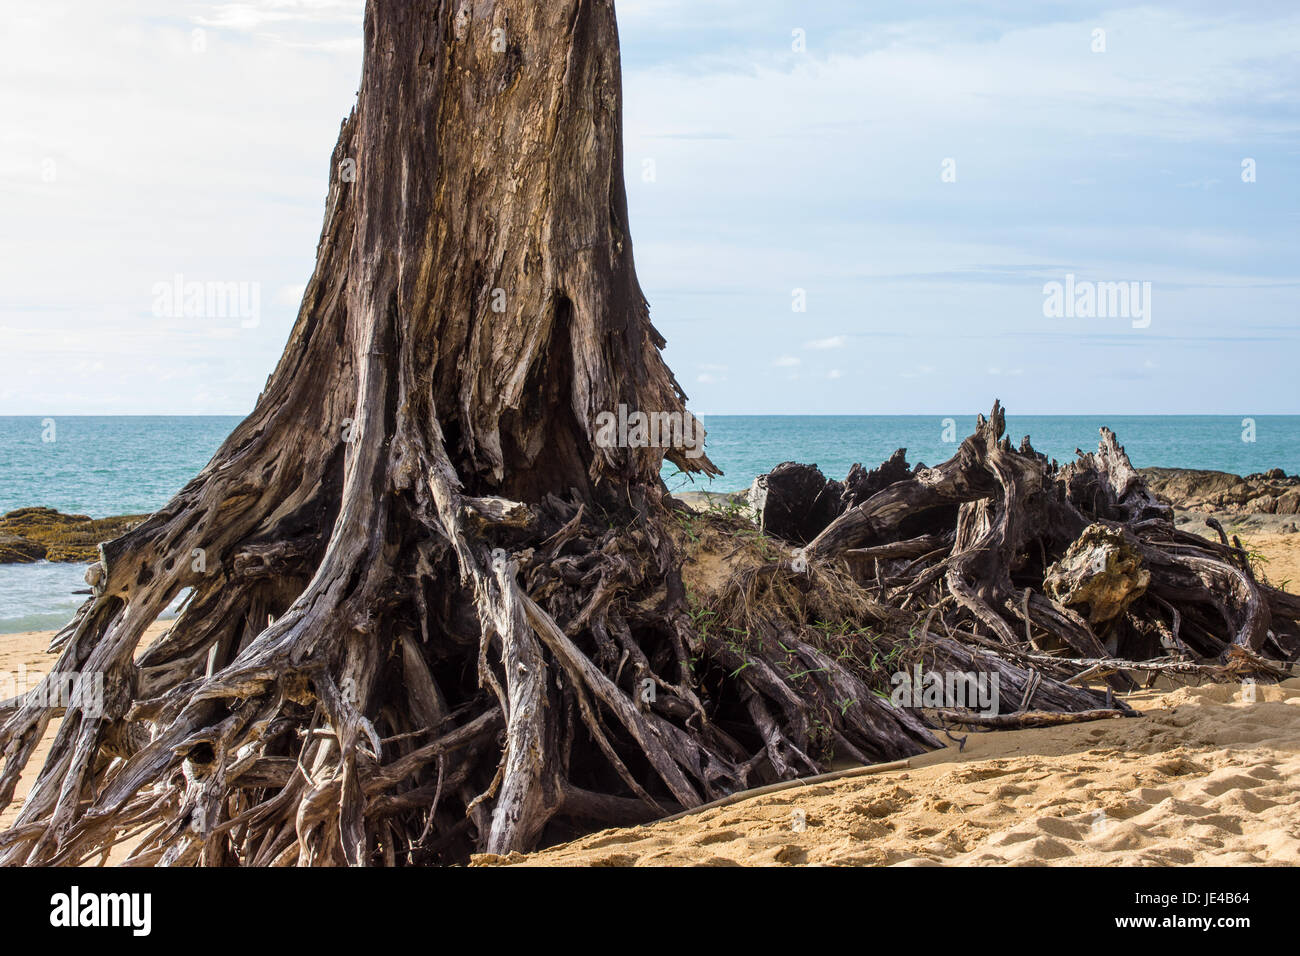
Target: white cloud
[834, 342]
[253, 16]
[166, 160]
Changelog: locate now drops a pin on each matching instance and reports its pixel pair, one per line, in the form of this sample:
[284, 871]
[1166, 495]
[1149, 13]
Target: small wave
[41, 596]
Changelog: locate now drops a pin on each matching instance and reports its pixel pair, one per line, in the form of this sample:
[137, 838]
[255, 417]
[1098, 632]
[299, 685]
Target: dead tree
[428, 612]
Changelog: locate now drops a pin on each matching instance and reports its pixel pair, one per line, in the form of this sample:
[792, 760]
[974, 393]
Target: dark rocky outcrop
[43, 534]
[15, 549]
[1271, 492]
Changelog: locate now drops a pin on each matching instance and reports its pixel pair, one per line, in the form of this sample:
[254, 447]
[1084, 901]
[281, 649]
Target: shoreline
[35, 533]
[1197, 495]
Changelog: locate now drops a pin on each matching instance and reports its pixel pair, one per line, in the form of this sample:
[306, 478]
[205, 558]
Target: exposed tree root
[1037, 564]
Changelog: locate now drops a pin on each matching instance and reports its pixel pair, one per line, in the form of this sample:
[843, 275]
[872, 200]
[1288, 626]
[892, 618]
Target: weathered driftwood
[1027, 719]
[430, 613]
[794, 501]
[1101, 571]
[1037, 563]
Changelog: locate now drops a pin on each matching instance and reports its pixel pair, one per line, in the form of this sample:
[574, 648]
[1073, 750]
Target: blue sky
[135, 149]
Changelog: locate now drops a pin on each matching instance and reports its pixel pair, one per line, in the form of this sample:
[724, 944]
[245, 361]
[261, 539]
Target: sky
[836, 207]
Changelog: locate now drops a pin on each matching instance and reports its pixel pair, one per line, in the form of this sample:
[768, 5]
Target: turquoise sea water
[93, 465]
[103, 465]
[745, 446]
[106, 465]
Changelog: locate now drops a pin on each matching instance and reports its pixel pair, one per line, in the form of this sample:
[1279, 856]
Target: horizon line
[698, 414]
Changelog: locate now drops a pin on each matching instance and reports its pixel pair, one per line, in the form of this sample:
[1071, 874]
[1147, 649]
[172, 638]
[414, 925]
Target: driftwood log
[429, 613]
[1041, 563]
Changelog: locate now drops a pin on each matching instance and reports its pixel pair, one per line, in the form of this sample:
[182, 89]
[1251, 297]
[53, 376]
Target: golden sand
[1203, 777]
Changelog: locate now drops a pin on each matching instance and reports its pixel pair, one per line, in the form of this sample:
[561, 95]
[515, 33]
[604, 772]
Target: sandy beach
[26, 654]
[1204, 776]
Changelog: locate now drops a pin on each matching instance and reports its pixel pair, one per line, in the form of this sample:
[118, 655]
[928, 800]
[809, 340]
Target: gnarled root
[1036, 562]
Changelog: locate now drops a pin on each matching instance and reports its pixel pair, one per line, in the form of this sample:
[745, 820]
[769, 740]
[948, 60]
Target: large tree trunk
[359, 674]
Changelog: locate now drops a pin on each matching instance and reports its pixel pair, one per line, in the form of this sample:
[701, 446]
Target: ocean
[111, 465]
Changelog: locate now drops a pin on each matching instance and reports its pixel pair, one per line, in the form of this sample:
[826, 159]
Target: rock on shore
[1273, 492]
[43, 534]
